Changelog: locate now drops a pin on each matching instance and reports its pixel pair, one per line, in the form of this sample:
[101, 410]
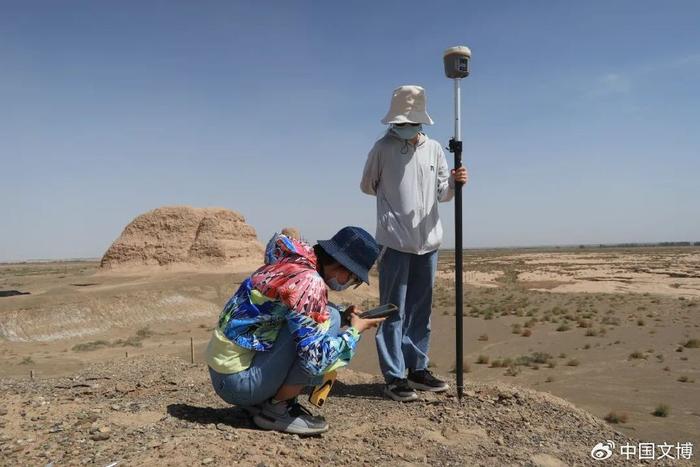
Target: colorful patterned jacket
[288, 292]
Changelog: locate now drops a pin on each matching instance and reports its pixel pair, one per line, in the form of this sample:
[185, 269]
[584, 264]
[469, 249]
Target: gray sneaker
[289, 417]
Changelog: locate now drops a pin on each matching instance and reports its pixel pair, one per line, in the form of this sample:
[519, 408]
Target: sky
[579, 120]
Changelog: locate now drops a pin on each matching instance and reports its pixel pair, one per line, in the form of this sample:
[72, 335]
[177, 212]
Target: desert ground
[615, 332]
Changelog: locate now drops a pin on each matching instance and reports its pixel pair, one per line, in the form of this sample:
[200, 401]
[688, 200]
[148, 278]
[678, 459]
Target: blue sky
[580, 119]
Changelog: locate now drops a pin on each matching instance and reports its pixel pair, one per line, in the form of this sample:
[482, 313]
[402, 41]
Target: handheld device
[380, 312]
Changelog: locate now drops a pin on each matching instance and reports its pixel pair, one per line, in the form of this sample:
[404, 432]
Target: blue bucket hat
[354, 248]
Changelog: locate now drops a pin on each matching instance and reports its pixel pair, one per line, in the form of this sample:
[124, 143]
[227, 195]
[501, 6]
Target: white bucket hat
[408, 106]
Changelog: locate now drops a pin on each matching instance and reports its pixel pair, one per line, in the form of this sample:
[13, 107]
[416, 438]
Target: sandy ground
[605, 330]
[665, 271]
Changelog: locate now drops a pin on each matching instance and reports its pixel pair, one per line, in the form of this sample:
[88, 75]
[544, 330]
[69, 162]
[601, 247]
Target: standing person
[408, 173]
[278, 334]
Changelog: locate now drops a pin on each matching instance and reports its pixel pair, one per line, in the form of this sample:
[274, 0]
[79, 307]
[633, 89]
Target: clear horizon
[579, 120]
[442, 248]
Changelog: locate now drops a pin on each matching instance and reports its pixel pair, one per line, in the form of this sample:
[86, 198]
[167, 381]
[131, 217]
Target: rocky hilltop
[157, 410]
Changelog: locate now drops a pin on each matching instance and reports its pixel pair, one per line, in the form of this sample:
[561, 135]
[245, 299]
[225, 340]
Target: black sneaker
[399, 390]
[423, 380]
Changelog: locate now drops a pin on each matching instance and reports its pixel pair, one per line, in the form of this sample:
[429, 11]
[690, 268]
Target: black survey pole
[456, 60]
[456, 148]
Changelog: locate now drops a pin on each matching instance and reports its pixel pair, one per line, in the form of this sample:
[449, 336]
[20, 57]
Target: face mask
[406, 132]
[337, 286]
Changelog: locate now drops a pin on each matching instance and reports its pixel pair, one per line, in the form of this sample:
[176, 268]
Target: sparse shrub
[640, 322]
[610, 321]
[465, 367]
[562, 355]
[484, 337]
[526, 333]
[685, 379]
[523, 360]
[692, 344]
[89, 346]
[27, 361]
[512, 370]
[591, 333]
[549, 379]
[133, 341]
[661, 410]
[573, 362]
[563, 327]
[541, 357]
[498, 363]
[637, 355]
[144, 332]
[482, 359]
[615, 417]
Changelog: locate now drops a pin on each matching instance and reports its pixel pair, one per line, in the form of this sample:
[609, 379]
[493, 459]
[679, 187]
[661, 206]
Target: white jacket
[408, 187]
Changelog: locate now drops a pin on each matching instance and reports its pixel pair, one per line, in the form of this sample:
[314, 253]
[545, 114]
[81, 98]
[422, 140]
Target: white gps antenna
[457, 67]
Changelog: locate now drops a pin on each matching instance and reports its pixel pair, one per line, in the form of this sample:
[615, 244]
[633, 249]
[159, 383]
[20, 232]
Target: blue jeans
[406, 280]
[269, 370]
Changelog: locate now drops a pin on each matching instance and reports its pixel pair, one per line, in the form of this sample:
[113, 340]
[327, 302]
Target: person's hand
[460, 175]
[362, 324]
[346, 316]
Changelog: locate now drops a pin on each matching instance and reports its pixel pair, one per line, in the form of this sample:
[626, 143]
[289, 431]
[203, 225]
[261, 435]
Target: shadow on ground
[231, 416]
[362, 390]
[12, 293]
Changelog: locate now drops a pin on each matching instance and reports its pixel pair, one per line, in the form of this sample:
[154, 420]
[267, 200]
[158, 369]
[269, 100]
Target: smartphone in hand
[380, 312]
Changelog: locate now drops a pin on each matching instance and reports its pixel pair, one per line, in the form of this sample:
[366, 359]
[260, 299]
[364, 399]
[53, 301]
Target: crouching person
[278, 334]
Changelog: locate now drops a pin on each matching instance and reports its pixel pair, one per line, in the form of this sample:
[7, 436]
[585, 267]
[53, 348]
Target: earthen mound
[183, 235]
